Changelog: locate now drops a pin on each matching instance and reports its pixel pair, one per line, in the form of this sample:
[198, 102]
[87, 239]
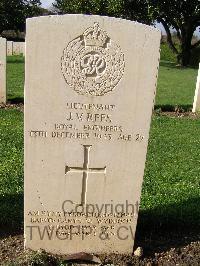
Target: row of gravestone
[15, 48]
[90, 84]
[7, 48]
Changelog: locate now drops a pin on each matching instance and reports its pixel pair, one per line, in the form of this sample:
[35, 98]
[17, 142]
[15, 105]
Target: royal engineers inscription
[90, 86]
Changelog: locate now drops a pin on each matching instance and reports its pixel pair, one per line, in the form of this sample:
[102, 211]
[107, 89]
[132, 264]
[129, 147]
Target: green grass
[11, 168]
[176, 87]
[171, 190]
[15, 78]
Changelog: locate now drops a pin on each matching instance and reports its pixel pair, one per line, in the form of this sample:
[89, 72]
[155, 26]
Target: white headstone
[90, 86]
[9, 48]
[18, 48]
[2, 70]
[196, 103]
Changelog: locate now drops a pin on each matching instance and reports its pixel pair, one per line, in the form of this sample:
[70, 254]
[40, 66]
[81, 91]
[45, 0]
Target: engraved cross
[86, 170]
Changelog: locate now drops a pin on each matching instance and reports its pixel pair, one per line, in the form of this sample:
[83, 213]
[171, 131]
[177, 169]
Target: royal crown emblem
[92, 64]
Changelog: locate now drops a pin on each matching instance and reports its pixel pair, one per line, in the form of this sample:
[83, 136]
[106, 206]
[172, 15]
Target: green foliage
[184, 17]
[13, 13]
[133, 10]
[176, 11]
[166, 53]
[101, 7]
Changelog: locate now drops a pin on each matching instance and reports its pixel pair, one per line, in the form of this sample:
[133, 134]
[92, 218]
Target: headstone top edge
[114, 19]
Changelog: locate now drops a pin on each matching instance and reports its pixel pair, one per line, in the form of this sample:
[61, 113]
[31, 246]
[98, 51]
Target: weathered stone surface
[9, 48]
[18, 48]
[90, 87]
[196, 103]
[2, 70]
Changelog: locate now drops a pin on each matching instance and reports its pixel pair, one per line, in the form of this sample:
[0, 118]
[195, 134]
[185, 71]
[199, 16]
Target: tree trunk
[185, 55]
[186, 46]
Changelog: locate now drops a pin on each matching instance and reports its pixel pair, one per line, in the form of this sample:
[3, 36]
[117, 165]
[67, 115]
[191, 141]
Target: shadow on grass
[174, 65]
[173, 108]
[172, 226]
[15, 59]
[11, 215]
[158, 229]
[168, 64]
[16, 100]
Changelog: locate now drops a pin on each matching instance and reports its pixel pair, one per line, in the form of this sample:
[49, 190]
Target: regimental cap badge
[92, 64]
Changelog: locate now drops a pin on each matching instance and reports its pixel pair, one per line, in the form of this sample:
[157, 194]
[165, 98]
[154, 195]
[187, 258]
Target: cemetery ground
[169, 217]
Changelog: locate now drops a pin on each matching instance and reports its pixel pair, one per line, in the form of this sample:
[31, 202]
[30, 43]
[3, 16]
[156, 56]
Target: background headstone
[3, 70]
[9, 48]
[196, 103]
[18, 48]
[23, 48]
[90, 86]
